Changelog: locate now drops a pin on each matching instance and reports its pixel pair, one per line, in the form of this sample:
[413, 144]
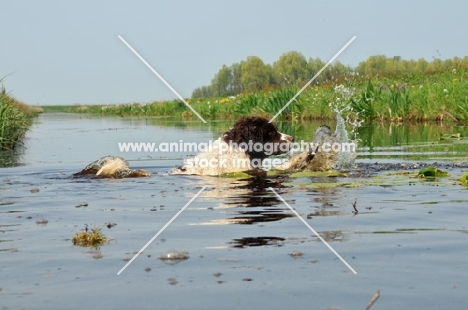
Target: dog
[113, 167]
[242, 148]
[315, 157]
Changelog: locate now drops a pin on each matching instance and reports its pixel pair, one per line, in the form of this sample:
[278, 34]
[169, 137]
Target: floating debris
[296, 254]
[354, 206]
[34, 190]
[373, 300]
[83, 204]
[110, 225]
[42, 222]
[173, 257]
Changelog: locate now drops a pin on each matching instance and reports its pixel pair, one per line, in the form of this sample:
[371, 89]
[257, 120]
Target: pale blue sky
[63, 52]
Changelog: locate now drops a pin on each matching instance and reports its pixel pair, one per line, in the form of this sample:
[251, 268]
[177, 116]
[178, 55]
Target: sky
[68, 52]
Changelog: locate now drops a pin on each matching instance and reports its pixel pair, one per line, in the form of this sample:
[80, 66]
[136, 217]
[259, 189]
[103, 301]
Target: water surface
[409, 239]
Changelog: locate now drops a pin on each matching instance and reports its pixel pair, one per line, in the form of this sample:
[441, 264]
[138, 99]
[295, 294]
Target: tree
[236, 85]
[375, 64]
[254, 73]
[202, 92]
[314, 65]
[291, 69]
[220, 85]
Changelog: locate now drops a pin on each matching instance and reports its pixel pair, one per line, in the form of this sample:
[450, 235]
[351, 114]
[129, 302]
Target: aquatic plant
[464, 179]
[246, 104]
[365, 103]
[431, 172]
[90, 238]
[15, 119]
[278, 99]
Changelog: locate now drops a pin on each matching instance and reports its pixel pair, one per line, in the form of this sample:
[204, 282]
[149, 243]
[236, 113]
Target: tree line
[292, 69]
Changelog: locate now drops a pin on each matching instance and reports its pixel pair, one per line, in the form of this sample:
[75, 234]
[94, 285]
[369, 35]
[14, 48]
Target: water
[408, 238]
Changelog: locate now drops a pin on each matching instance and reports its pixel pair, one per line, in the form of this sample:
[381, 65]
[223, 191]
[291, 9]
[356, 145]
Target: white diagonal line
[162, 229]
[313, 230]
[313, 78]
[162, 79]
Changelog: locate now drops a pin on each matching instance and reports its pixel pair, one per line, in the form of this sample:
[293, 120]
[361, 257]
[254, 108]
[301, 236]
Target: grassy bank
[15, 119]
[407, 98]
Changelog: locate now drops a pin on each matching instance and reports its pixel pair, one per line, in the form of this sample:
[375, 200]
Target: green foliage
[432, 172]
[278, 99]
[464, 179]
[365, 104]
[399, 103]
[246, 104]
[220, 85]
[15, 119]
[254, 74]
[90, 238]
[291, 69]
[395, 66]
[401, 92]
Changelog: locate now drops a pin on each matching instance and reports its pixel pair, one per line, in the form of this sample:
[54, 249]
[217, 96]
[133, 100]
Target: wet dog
[316, 157]
[242, 148]
[114, 167]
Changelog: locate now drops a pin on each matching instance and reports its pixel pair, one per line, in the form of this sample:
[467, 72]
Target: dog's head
[261, 137]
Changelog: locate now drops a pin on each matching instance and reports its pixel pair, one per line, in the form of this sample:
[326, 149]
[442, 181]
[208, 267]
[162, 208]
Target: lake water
[409, 239]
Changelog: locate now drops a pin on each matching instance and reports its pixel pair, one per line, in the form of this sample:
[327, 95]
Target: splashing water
[345, 159]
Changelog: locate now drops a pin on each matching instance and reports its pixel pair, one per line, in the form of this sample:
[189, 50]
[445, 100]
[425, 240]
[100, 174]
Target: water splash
[345, 159]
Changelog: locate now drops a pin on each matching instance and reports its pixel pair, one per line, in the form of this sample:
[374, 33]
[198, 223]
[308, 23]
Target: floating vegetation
[42, 222]
[316, 185]
[90, 238]
[407, 230]
[235, 175]
[317, 174]
[464, 179]
[450, 136]
[296, 254]
[432, 172]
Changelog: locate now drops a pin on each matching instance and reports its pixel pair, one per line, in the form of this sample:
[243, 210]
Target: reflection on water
[256, 241]
[42, 269]
[246, 201]
[81, 138]
[415, 142]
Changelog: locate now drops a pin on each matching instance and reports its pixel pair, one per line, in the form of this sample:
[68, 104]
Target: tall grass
[15, 119]
[411, 98]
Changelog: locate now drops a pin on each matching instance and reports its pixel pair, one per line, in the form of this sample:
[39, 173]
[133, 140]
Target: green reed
[15, 119]
[408, 98]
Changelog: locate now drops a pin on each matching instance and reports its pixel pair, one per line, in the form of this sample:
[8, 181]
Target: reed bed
[439, 96]
[15, 119]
